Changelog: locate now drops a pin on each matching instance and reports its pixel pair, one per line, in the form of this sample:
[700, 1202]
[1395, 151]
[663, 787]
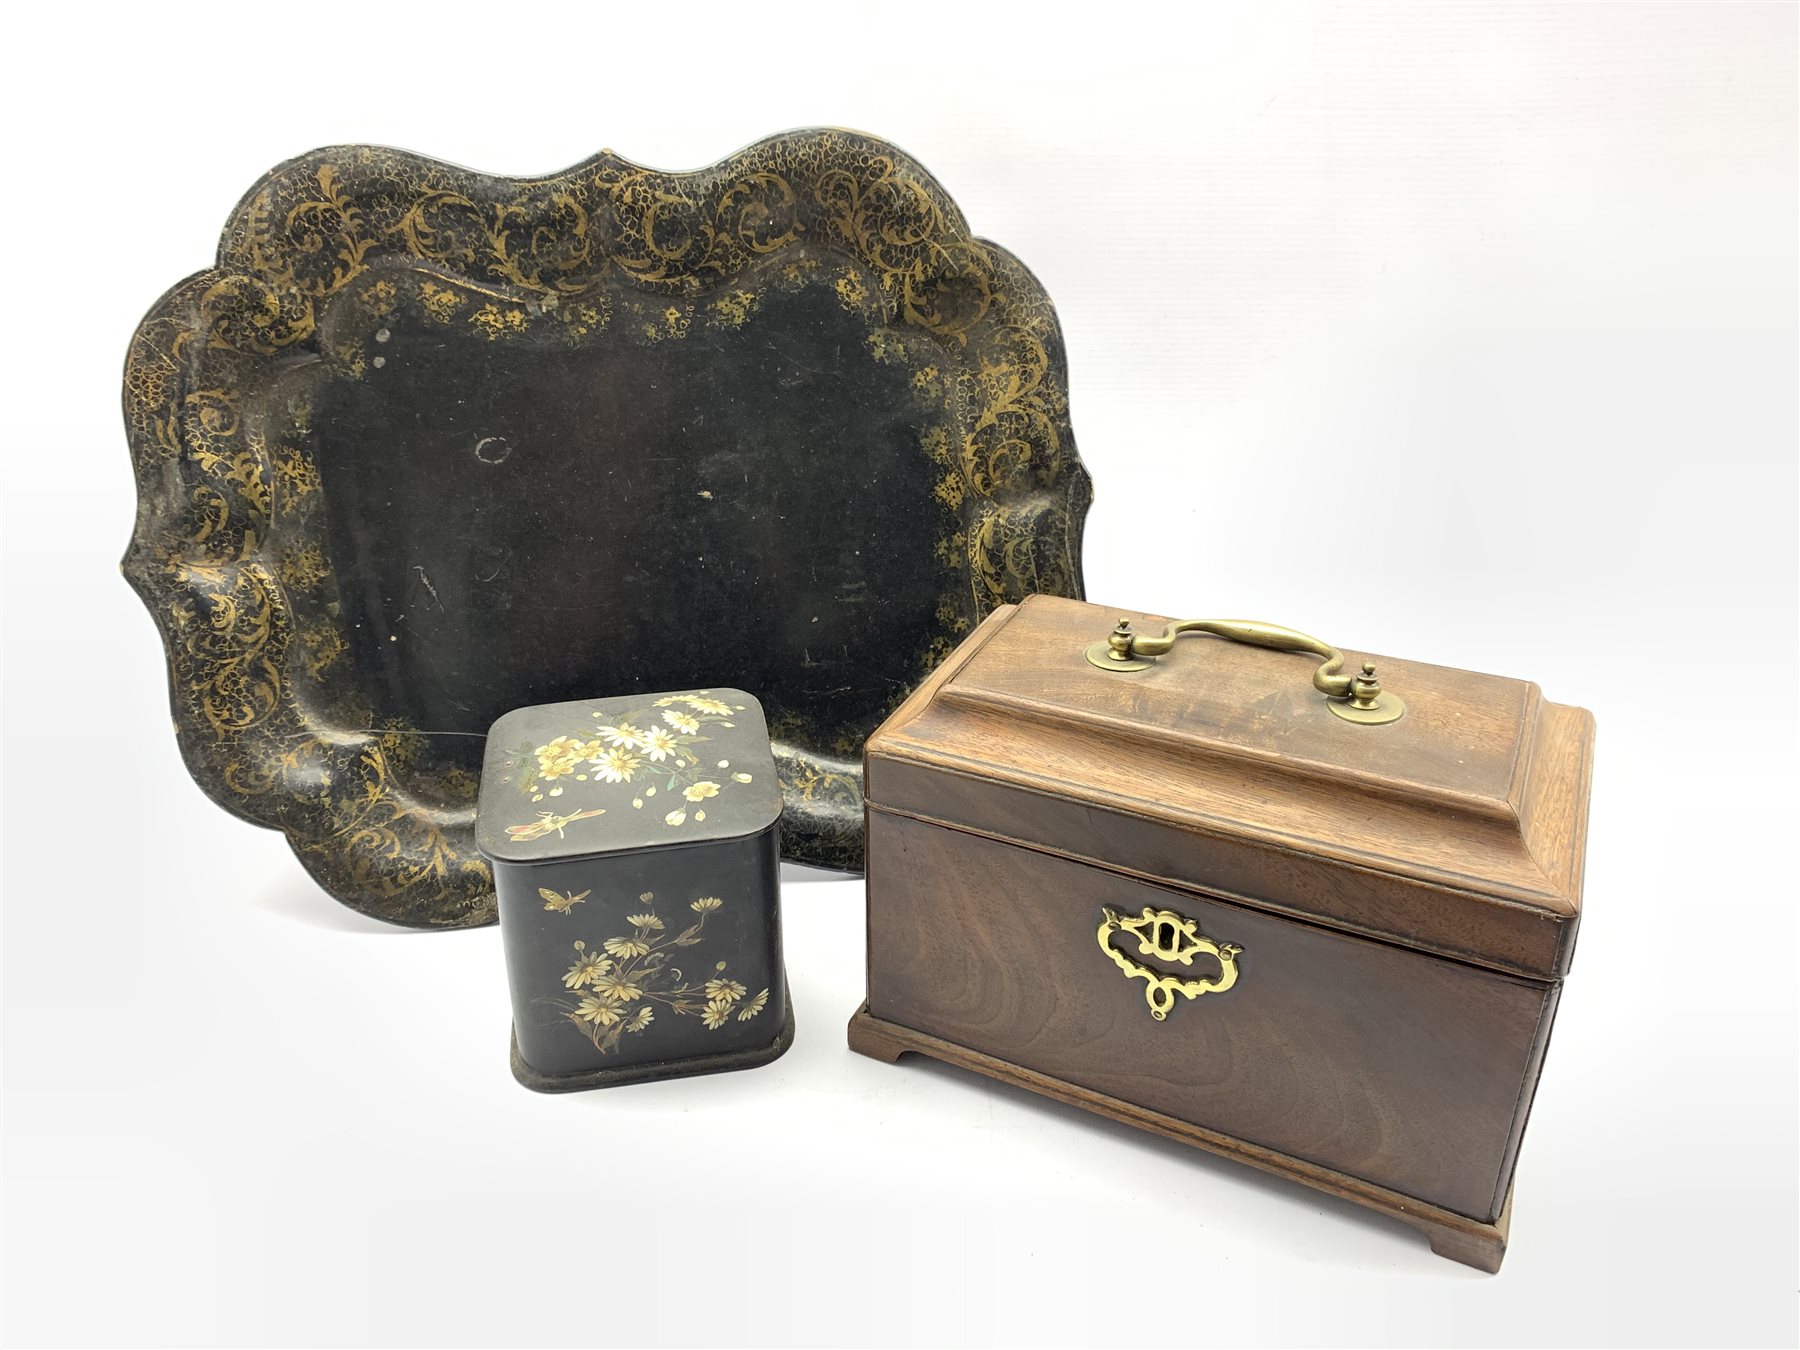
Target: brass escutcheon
[1166, 935]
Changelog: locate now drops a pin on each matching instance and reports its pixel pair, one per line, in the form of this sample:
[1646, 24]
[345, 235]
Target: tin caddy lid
[1459, 829]
[606, 775]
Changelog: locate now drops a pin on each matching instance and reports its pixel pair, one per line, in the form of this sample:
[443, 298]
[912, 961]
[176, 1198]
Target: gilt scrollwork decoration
[227, 554]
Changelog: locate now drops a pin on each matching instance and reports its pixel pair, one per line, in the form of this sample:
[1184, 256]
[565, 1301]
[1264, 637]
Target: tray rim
[218, 762]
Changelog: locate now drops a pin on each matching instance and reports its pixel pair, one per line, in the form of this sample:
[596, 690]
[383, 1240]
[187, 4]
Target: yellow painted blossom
[699, 792]
[598, 1011]
[617, 765]
[561, 755]
[618, 988]
[586, 970]
[706, 904]
[685, 723]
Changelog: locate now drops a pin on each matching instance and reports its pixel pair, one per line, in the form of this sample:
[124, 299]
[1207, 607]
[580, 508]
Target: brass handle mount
[1168, 936]
[1356, 698]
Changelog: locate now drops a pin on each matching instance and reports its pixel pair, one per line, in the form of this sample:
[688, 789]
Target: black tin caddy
[635, 848]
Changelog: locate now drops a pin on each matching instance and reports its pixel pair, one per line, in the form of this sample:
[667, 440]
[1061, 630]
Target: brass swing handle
[1164, 934]
[1355, 698]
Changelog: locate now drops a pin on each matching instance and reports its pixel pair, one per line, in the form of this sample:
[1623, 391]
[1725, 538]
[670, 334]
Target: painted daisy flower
[708, 705]
[728, 990]
[624, 948]
[686, 723]
[658, 743]
[598, 1011]
[617, 765]
[641, 1019]
[717, 1014]
[617, 988]
[624, 734]
[699, 792]
[754, 1006]
[706, 904]
[644, 920]
[590, 967]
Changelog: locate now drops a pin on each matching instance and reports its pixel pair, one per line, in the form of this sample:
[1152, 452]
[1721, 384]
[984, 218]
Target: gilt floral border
[224, 558]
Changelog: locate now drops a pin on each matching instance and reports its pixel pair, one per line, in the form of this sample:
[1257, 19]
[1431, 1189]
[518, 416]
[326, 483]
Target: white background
[1465, 333]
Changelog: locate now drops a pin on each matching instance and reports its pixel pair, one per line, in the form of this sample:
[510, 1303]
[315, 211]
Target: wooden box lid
[1459, 829]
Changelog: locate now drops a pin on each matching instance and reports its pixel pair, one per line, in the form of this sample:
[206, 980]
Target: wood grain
[1460, 829]
[1455, 1236]
[1354, 1055]
[1406, 898]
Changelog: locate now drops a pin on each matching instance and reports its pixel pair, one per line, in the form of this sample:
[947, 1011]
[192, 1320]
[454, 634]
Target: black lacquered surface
[427, 444]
